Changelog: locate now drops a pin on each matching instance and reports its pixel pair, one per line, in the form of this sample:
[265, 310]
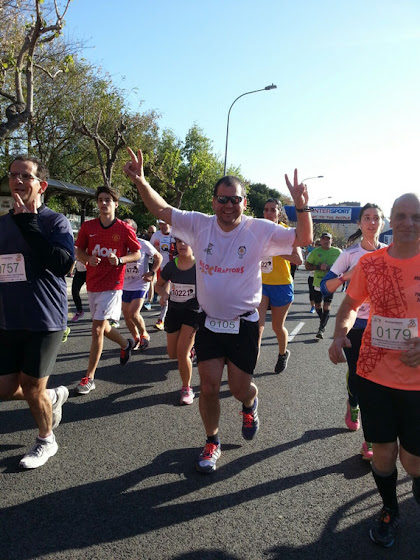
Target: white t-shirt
[163, 242]
[229, 263]
[347, 260]
[134, 271]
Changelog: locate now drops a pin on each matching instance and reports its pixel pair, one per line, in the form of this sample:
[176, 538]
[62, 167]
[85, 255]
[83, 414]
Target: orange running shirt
[392, 287]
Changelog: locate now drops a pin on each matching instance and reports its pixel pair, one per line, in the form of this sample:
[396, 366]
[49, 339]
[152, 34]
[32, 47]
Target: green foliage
[259, 193]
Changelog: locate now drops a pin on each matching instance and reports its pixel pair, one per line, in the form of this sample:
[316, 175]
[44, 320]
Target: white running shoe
[39, 454]
[57, 409]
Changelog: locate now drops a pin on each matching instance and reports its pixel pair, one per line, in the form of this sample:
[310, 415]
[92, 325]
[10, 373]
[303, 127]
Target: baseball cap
[326, 234]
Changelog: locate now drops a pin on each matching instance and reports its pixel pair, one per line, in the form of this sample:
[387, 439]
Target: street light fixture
[325, 198]
[272, 86]
[316, 177]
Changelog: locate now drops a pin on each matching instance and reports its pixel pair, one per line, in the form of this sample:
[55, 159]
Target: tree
[21, 55]
[259, 193]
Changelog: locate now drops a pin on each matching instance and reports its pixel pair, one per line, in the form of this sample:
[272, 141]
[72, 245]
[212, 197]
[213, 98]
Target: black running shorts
[175, 318]
[31, 352]
[241, 349]
[390, 414]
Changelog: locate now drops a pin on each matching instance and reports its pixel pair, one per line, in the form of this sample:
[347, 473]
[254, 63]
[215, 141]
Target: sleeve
[278, 240]
[358, 288]
[147, 248]
[185, 224]
[132, 241]
[166, 272]
[82, 238]
[340, 265]
[311, 258]
[55, 253]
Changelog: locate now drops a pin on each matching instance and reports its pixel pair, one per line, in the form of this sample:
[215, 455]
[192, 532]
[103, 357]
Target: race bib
[181, 292]
[392, 333]
[267, 265]
[12, 268]
[222, 325]
[131, 270]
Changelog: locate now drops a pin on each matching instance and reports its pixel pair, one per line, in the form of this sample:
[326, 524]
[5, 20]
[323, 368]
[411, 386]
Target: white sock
[53, 395]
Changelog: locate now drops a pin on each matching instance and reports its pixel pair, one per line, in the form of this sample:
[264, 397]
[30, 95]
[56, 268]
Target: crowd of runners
[216, 277]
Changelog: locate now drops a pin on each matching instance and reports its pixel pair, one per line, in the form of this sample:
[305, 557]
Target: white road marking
[295, 331]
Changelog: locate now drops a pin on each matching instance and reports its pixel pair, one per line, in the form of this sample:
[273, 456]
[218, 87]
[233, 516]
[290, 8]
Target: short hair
[131, 223]
[41, 169]
[230, 181]
[108, 190]
[282, 214]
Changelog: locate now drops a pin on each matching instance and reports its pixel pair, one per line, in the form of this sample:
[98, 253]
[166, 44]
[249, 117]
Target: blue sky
[347, 74]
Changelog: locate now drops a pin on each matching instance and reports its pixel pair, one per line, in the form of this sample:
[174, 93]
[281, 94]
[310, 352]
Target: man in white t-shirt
[228, 248]
[162, 240]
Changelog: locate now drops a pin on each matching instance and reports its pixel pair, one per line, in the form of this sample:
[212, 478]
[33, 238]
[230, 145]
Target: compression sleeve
[329, 276]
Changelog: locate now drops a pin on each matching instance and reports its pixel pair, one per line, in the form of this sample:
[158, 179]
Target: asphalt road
[123, 483]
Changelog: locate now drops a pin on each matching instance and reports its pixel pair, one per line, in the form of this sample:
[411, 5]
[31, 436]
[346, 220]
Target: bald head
[406, 199]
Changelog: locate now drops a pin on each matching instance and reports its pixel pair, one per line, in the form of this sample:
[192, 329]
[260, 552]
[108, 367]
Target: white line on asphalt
[295, 331]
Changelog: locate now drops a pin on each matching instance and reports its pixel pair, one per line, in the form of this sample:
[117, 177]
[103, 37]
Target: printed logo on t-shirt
[210, 270]
[116, 237]
[241, 251]
[209, 249]
[102, 251]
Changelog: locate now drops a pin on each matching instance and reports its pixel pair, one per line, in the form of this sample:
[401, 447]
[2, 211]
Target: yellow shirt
[276, 271]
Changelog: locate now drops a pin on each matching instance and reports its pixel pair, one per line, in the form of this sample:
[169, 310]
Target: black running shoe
[282, 362]
[125, 354]
[250, 422]
[383, 532]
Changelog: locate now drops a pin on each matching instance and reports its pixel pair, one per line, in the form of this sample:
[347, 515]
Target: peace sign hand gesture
[298, 191]
[134, 168]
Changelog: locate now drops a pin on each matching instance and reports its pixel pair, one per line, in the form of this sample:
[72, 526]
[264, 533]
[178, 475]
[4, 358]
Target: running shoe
[39, 454]
[312, 310]
[136, 343]
[144, 343]
[282, 360]
[78, 315]
[65, 334]
[126, 353]
[62, 394]
[366, 451]
[159, 325]
[114, 324]
[320, 334]
[383, 532]
[147, 306]
[85, 386]
[351, 418]
[250, 422]
[207, 460]
[187, 395]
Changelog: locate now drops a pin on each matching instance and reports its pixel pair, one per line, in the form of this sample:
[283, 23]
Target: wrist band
[304, 209]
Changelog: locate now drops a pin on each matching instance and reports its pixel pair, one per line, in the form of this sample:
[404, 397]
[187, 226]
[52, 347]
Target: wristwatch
[120, 261]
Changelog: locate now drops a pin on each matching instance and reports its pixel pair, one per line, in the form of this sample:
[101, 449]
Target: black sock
[324, 319]
[319, 312]
[213, 439]
[387, 486]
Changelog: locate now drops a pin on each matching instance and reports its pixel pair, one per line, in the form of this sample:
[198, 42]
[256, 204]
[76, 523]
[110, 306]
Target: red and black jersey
[95, 239]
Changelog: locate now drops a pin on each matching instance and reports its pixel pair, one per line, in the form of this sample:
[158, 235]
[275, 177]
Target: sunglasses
[226, 199]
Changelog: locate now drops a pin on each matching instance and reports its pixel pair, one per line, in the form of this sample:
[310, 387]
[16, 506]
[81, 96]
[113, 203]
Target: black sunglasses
[225, 199]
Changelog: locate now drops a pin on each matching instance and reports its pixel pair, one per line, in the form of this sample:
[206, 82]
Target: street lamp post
[230, 108]
[316, 177]
[325, 198]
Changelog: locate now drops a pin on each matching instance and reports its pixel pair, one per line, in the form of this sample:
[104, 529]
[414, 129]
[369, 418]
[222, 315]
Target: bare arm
[299, 193]
[296, 256]
[83, 257]
[157, 261]
[346, 316]
[153, 201]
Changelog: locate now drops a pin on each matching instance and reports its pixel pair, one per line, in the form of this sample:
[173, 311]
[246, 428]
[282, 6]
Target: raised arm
[153, 201]
[299, 193]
